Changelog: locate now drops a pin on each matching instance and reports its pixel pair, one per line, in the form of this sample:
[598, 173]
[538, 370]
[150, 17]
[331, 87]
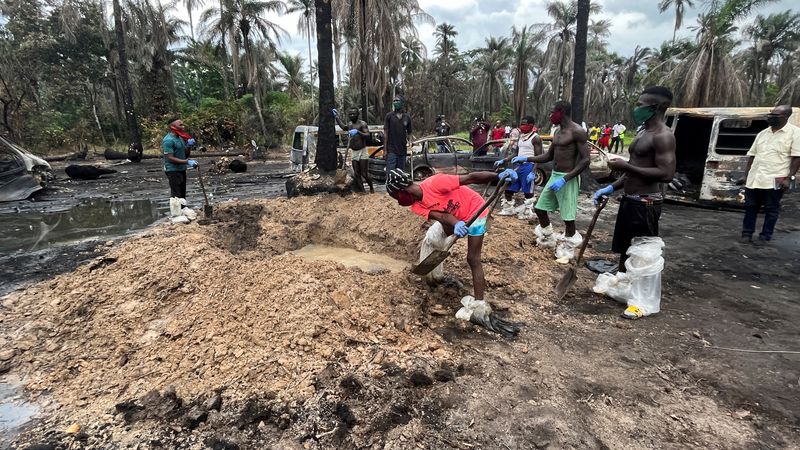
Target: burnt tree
[135, 149]
[326, 139]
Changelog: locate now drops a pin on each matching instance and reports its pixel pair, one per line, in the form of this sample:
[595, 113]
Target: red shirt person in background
[498, 132]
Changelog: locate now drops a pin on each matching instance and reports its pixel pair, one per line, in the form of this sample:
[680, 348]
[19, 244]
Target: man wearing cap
[450, 203]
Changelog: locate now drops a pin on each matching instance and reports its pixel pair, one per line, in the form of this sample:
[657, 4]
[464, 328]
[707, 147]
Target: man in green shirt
[174, 146]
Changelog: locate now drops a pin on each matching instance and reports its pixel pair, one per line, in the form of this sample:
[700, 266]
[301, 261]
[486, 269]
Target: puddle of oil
[14, 413]
[368, 262]
[92, 218]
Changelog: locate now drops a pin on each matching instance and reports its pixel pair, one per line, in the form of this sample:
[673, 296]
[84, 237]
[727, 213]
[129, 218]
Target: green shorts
[564, 201]
[359, 155]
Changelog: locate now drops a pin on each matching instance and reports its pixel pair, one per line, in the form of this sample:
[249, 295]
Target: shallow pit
[368, 262]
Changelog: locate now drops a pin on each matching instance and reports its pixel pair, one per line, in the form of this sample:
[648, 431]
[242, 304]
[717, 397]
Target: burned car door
[15, 181]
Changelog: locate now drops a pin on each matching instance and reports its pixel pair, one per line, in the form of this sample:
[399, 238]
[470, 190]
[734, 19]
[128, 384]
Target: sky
[633, 22]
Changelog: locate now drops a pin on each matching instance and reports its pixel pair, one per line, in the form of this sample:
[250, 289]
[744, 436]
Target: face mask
[405, 199]
[397, 105]
[353, 117]
[526, 128]
[556, 116]
[642, 114]
[773, 121]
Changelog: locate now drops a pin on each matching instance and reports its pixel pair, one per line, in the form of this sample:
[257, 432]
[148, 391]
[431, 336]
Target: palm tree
[135, 149]
[191, 5]
[598, 29]
[579, 68]
[680, 10]
[326, 157]
[774, 35]
[708, 74]
[291, 74]
[493, 64]
[413, 53]
[525, 53]
[445, 50]
[305, 25]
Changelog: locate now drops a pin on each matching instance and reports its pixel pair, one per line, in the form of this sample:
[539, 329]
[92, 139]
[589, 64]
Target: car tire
[541, 177]
[422, 173]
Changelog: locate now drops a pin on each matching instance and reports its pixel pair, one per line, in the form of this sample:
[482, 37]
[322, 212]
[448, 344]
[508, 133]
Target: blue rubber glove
[461, 229]
[335, 113]
[192, 163]
[558, 184]
[353, 132]
[191, 142]
[509, 174]
[608, 190]
[519, 160]
[499, 163]
[531, 177]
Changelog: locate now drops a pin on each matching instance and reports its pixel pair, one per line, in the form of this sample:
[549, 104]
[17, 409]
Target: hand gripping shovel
[208, 211]
[571, 275]
[437, 256]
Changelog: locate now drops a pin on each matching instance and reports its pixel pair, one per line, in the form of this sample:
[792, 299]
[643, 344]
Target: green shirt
[173, 144]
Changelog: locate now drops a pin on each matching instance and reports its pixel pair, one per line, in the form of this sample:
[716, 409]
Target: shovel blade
[565, 283]
[430, 262]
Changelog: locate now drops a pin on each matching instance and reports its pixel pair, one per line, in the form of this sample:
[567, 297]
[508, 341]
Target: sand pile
[222, 307]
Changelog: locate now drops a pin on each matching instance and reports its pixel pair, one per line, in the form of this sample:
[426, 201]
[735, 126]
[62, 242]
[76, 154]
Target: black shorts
[177, 183]
[635, 218]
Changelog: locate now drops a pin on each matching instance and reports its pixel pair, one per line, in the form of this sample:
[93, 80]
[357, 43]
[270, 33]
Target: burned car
[455, 155]
[21, 173]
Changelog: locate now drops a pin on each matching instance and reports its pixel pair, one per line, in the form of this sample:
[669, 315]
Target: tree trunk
[326, 157]
[90, 89]
[135, 149]
[337, 51]
[310, 62]
[191, 23]
[579, 77]
[579, 67]
[237, 80]
[362, 57]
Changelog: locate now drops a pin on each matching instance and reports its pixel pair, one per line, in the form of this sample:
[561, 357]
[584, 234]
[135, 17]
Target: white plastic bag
[435, 239]
[644, 267]
[640, 285]
[174, 207]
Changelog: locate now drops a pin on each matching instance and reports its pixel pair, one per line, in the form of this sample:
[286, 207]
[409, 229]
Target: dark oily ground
[578, 376]
[133, 182]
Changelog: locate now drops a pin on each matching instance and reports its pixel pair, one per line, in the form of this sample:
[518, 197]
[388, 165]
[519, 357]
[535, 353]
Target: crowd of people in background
[608, 137]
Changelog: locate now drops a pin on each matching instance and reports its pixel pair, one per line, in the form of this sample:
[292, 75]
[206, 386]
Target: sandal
[633, 313]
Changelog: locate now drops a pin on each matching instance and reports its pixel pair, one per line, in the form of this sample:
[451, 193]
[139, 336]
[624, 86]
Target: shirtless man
[652, 162]
[358, 132]
[570, 155]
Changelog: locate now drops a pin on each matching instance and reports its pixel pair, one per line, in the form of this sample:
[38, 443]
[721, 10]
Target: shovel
[208, 211]
[437, 256]
[571, 275]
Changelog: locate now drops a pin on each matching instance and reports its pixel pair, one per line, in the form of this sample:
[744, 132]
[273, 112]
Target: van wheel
[541, 177]
[422, 173]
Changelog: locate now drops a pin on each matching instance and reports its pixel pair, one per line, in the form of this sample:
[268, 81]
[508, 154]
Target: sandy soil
[212, 336]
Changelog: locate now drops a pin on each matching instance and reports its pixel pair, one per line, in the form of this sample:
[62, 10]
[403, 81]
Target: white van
[304, 144]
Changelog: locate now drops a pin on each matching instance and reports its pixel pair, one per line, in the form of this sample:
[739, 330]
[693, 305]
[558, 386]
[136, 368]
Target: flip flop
[633, 313]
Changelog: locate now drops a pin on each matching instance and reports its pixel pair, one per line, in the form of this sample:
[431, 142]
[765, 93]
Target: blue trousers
[754, 200]
[395, 161]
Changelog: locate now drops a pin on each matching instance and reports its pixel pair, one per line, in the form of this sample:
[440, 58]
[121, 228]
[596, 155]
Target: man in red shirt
[498, 132]
[446, 200]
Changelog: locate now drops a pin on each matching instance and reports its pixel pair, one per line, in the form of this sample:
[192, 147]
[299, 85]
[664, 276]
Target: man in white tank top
[529, 144]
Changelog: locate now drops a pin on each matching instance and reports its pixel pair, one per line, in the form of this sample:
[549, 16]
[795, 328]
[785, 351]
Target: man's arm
[169, 150]
[448, 220]
[340, 123]
[749, 165]
[477, 178]
[363, 129]
[537, 146]
[408, 126]
[581, 138]
[664, 170]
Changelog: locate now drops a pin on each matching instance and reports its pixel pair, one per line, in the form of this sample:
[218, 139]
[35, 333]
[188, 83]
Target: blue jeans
[395, 161]
[754, 199]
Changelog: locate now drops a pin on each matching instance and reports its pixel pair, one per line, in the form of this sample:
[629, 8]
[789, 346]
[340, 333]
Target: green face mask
[397, 105]
[642, 114]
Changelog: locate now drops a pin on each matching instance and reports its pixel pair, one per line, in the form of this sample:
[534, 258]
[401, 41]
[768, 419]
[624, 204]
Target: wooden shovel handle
[600, 205]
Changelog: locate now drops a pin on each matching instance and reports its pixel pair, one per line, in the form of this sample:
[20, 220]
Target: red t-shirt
[498, 133]
[444, 193]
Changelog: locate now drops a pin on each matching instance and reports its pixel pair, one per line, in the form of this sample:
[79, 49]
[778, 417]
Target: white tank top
[525, 146]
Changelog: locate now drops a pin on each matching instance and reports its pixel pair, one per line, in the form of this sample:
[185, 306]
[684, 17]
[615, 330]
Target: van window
[9, 163]
[736, 136]
[297, 142]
